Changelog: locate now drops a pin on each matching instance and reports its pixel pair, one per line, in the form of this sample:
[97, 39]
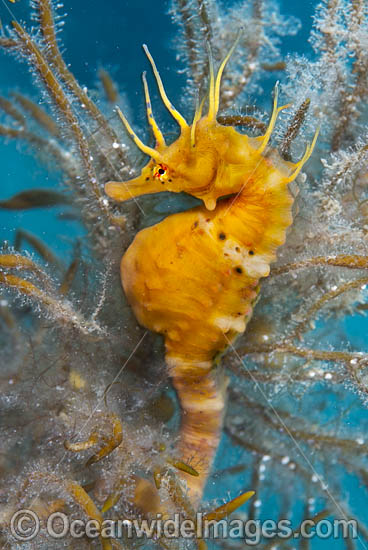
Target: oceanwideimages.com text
[25, 525]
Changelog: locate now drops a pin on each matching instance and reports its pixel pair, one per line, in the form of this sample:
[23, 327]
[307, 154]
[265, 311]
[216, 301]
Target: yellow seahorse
[194, 277]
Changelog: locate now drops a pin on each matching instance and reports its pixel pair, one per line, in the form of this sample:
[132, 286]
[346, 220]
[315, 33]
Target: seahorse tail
[201, 389]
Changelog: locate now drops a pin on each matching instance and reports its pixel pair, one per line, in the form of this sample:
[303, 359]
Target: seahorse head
[195, 162]
[207, 160]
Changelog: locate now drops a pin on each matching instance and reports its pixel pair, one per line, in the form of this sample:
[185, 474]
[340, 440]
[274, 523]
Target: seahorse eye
[160, 172]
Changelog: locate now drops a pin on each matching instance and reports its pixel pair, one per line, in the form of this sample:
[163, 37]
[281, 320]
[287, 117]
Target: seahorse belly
[182, 283]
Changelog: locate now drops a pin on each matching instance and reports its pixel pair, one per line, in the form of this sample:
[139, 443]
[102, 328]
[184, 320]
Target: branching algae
[92, 429]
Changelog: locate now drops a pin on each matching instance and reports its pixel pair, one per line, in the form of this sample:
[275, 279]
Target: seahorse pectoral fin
[125, 190]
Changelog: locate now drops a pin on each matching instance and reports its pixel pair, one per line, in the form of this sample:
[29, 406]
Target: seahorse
[194, 277]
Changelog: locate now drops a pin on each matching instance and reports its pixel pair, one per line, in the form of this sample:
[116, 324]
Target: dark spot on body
[238, 269]
[169, 180]
[237, 249]
[195, 224]
[147, 179]
[222, 236]
[251, 252]
[161, 171]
